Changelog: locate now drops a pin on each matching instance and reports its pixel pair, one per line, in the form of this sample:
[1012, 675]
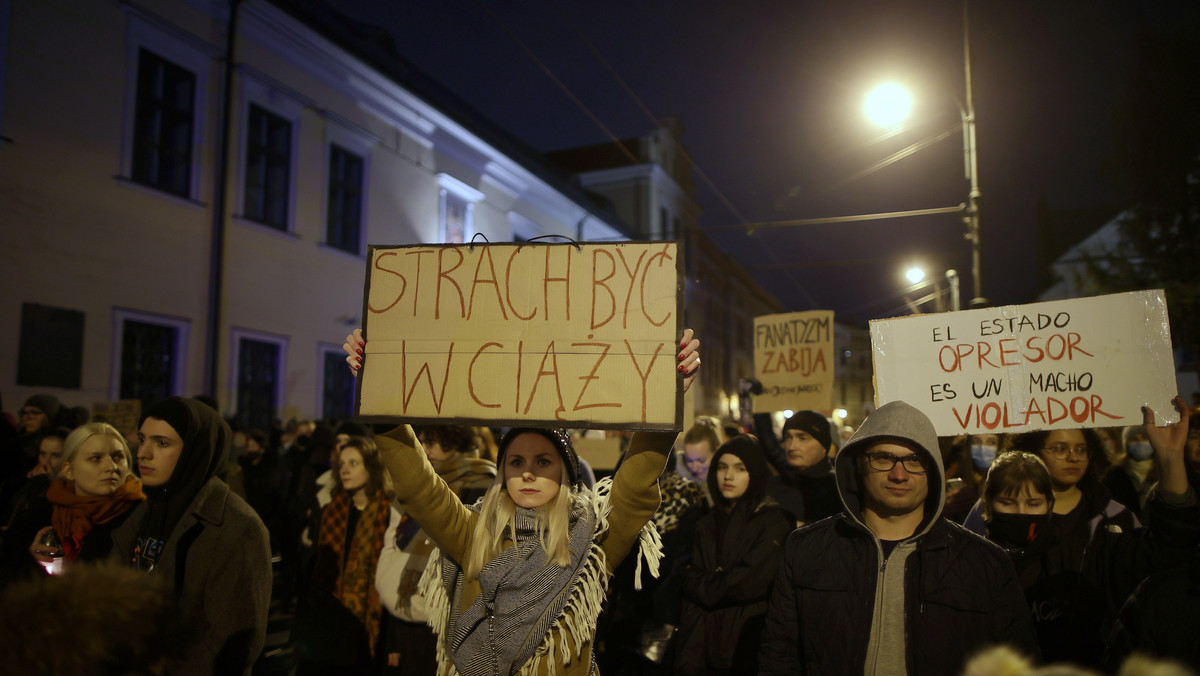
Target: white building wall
[82, 236]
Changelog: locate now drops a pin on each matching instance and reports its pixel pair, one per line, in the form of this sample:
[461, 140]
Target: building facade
[183, 222]
[648, 180]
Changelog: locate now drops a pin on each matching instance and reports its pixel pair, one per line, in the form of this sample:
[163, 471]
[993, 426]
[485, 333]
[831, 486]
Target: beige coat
[634, 499]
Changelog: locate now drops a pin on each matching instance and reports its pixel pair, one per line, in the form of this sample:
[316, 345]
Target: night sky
[770, 95]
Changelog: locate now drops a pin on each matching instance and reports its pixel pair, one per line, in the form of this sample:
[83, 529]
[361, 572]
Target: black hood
[747, 450]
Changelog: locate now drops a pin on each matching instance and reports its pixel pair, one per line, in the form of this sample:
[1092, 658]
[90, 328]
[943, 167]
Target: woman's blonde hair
[495, 525]
[79, 436]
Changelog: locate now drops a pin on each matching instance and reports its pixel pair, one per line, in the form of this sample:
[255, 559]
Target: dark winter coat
[219, 558]
[959, 592]
[1075, 591]
[961, 596]
[735, 555]
[1160, 619]
[264, 486]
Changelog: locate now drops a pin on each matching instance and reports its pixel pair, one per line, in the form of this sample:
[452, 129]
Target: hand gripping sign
[1085, 362]
[575, 335]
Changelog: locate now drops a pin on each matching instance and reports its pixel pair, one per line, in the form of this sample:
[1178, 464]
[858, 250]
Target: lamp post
[888, 104]
[972, 164]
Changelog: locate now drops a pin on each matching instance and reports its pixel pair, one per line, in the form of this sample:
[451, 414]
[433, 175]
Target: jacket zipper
[492, 639]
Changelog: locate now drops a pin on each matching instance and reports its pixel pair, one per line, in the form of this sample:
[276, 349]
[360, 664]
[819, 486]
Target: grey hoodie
[894, 420]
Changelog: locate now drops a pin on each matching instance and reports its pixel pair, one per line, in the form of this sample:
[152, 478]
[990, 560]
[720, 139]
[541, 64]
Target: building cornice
[318, 56]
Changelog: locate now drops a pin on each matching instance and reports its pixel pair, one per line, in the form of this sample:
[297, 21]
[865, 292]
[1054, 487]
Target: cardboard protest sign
[574, 335]
[793, 359]
[123, 414]
[601, 454]
[1085, 362]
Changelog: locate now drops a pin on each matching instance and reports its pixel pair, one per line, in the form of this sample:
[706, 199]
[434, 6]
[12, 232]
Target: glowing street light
[888, 104]
[884, 106]
[914, 274]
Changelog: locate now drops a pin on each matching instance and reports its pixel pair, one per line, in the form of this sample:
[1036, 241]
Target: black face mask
[1017, 530]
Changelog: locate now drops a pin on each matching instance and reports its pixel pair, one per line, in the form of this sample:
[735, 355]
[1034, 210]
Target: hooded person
[890, 586]
[735, 555]
[193, 531]
[805, 485]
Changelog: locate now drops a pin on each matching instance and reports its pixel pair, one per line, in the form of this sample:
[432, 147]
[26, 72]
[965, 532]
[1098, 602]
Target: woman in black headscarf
[735, 555]
[192, 530]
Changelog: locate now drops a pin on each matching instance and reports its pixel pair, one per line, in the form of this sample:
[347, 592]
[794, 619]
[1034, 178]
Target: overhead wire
[561, 85]
[721, 197]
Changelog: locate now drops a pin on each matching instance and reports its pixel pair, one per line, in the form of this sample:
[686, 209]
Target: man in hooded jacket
[204, 541]
[889, 586]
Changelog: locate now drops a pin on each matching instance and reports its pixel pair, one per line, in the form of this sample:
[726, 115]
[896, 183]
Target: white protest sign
[1085, 362]
[574, 335]
[793, 359]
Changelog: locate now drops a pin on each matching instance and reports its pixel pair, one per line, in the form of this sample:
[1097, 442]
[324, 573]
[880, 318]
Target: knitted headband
[556, 436]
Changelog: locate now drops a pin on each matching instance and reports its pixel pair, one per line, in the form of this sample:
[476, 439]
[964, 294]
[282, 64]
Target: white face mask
[1139, 450]
[982, 455]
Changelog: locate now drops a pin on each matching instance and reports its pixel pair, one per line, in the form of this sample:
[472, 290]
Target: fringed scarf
[524, 599]
[75, 516]
[354, 585]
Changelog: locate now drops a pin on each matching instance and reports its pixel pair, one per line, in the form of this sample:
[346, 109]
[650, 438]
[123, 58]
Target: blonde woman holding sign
[523, 572]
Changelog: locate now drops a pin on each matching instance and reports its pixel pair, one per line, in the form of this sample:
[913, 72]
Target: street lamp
[897, 106]
[888, 104]
[914, 275]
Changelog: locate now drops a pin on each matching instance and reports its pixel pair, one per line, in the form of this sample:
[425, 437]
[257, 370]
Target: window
[344, 220]
[458, 200]
[337, 385]
[268, 167]
[258, 361]
[455, 219]
[162, 127]
[148, 362]
[149, 356]
[50, 352]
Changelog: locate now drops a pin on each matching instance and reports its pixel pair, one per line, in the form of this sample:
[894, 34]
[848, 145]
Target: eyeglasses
[30, 412]
[886, 462]
[1061, 451]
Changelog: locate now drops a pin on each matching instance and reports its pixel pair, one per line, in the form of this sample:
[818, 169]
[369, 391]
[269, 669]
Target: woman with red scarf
[93, 494]
[339, 633]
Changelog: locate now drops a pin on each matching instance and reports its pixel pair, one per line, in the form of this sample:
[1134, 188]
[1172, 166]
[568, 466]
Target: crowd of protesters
[782, 547]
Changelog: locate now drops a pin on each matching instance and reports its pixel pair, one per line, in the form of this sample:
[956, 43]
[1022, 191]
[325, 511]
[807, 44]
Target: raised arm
[423, 493]
[635, 494]
[764, 428]
[1169, 443]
